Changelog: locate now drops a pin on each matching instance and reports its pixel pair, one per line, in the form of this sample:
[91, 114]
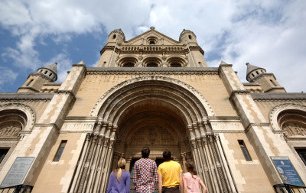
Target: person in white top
[191, 182]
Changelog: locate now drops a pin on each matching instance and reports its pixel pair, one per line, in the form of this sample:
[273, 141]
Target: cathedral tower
[152, 49]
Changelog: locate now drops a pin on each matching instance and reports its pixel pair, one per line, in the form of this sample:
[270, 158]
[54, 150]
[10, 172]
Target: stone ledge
[26, 96]
[179, 70]
[278, 96]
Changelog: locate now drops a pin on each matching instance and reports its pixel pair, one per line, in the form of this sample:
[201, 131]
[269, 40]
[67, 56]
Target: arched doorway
[154, 124]
[158, 112]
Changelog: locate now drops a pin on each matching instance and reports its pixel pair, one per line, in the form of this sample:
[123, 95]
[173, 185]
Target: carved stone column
[94, 165]
[211, 164]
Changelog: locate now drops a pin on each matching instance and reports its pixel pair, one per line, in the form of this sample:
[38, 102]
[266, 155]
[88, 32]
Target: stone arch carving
[30, 115]
[191, 111]
[274, 114]
[176, 62]
[190, 89]
[152, 62]
[128, 61]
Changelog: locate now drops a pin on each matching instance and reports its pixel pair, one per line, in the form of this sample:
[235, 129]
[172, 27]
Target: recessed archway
[155, 124]
[158, 112]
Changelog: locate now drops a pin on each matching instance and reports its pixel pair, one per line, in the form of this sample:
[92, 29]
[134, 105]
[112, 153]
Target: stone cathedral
[155, 91]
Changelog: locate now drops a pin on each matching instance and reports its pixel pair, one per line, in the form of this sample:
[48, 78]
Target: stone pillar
[94, 166]
[210, 164]
[38, 143]
[257, 128]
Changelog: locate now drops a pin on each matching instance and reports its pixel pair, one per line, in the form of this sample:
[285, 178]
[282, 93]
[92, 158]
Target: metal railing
[17, 189]
[288, 188]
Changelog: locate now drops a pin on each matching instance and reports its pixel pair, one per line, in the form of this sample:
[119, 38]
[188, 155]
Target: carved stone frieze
[78, 126]
[294, 129]
[226, 126]
[28, 111]
[280, 108]
[9, 132]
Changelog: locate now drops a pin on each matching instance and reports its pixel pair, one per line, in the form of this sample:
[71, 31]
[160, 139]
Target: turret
[196, 53]
[267, 81]
[108, 52]
[116, 36]
[188, 36]
[253, 72]
[36, 80]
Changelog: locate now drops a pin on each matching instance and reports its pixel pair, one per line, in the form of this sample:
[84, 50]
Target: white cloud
[7, 75]
[267, 33]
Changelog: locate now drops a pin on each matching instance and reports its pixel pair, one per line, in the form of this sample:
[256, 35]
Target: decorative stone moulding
[280, 108]
[30, 115]
[105, 97]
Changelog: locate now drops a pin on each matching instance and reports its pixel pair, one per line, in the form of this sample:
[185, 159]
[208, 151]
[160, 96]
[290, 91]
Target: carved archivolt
[289, 118]
[200, 102]
[30, 115]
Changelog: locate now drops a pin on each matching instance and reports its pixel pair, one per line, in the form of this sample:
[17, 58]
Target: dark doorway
[3, 152]
[302, 153]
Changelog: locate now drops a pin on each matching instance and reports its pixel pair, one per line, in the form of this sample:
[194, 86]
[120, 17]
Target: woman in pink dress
[191, 182]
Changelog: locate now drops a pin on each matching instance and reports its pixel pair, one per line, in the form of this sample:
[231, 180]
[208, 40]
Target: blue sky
[266, 33]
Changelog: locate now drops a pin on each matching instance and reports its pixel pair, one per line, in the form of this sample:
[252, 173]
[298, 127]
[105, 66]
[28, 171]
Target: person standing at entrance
[191, 182]
[145, 173]
[119, 180]
[169, 175]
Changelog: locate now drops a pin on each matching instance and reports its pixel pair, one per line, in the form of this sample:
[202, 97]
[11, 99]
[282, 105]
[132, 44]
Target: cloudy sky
[266, 33]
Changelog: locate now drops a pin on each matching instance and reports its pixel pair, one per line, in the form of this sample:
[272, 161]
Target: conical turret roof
[251, 68]
[52, 67]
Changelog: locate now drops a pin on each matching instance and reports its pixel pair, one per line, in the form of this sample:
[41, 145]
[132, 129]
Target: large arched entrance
[155, 124]
[158, 112]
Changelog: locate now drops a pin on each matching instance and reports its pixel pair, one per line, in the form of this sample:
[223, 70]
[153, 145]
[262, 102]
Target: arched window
[128, 62]
[175, 65]
[152, 40]
[292, 122]
[176, 62]
[11, 123]
[152, 62]
[293, 125]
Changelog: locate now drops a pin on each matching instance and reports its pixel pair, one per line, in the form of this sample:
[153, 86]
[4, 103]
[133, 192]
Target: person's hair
[121, 165]
[145, 152]
[167, 155]
[190, 168]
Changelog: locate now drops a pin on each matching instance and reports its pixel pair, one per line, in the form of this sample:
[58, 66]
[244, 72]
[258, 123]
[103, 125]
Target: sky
[266, 33]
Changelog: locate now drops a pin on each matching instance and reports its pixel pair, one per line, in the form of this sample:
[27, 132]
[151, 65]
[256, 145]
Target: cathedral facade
[158, 92]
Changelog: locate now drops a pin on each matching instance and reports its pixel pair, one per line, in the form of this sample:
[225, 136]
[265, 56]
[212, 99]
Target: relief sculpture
[9, 132]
